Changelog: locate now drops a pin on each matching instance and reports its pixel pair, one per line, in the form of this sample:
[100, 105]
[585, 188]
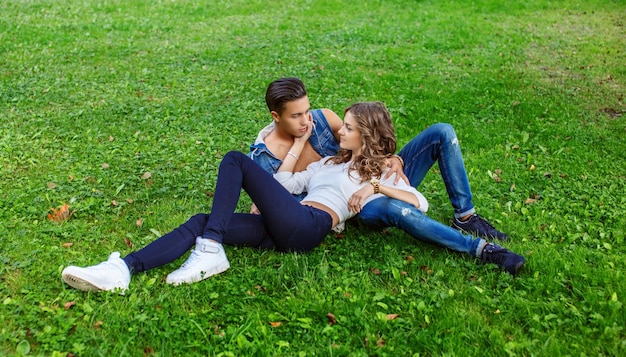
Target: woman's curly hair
[378, 141]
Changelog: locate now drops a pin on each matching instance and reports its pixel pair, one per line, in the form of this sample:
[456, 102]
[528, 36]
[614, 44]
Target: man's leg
[286, 220]
[116, 272]
[242, 231]
[439, 143]
[291, 225]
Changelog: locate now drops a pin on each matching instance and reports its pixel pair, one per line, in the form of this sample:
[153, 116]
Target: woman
[366, 139]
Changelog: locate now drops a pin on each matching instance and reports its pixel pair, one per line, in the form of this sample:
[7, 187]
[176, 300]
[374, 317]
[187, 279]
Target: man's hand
[254, 209]
[395, 167]
[355, 203]
[309, 129]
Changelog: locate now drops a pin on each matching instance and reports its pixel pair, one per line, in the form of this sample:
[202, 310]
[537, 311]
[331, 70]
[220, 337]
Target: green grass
[168, 87]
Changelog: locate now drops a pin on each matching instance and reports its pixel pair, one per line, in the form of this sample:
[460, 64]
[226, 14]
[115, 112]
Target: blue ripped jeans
[438, 143]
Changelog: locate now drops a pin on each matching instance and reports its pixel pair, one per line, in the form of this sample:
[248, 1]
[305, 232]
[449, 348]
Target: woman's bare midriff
[324, 208]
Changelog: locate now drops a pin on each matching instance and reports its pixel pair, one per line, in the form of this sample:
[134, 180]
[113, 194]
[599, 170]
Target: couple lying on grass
[307, 173]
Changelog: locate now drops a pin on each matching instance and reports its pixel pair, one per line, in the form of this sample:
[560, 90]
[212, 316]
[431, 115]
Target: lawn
[122, 110]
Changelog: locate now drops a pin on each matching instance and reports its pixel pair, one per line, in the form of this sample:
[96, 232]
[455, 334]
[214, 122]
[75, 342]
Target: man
[289, 107]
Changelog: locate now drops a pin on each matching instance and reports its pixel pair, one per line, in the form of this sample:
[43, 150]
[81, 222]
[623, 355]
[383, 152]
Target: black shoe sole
[518, 267]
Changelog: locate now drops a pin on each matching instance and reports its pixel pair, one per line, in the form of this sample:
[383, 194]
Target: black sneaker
[507, 260]
[479, 227]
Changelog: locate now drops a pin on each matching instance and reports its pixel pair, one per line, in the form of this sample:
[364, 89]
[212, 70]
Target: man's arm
[334, 121]
[293, 155]
[396, 166]
[271, 159]
[309, 154]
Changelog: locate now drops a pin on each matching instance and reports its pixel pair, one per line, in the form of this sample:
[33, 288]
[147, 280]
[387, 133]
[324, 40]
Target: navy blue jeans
[284, 224]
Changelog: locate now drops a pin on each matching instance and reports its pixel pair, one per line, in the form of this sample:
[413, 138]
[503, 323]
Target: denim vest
[322, 140]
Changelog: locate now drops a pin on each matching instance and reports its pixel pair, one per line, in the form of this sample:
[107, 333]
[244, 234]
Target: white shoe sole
[80, 284]
[84, 285]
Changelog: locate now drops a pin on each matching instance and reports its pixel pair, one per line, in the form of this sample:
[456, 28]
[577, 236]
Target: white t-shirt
[331, 185]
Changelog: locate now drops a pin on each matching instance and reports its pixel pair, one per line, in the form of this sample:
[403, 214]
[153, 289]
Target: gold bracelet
[376, 183]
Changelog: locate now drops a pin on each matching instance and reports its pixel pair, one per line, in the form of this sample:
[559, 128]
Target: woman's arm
[357, 200]
[334, 121]
[298, 182]
[415, 198]
[387, 186]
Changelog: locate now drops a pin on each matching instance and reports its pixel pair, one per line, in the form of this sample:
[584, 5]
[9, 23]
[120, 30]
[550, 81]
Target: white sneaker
[109, 275]
[206, 259]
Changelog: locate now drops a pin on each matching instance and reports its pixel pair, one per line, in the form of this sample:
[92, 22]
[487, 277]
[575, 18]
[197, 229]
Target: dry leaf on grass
[60, 215]
[331, 319]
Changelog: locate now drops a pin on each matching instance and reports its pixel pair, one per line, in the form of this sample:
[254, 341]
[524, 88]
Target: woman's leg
[385, 212]
[439, 143]
[388, 212]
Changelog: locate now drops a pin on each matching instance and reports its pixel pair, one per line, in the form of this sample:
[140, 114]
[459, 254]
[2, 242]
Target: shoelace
[483, 222]
[192, 258]
[495, 254]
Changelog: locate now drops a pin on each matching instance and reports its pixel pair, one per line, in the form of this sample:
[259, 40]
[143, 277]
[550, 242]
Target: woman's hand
[395, 167]
[355, 203]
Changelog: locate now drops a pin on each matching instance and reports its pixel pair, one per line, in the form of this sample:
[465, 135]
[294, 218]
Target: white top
[260, 138]
[331, 185]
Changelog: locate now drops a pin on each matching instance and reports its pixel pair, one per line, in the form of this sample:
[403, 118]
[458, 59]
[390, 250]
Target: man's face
[295, 117]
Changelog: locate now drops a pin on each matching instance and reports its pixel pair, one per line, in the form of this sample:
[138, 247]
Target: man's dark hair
[282, 91]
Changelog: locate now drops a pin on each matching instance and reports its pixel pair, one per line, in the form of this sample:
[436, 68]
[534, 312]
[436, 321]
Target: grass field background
[123, 109]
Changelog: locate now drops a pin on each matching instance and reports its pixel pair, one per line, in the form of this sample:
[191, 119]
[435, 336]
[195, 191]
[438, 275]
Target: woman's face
[349, 135]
